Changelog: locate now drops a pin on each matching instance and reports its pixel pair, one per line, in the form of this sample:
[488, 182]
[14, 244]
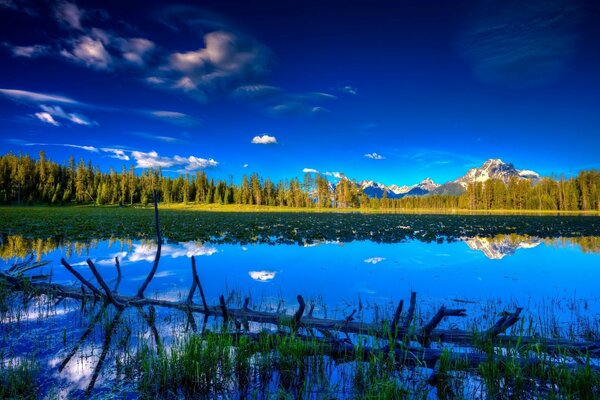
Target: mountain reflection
[498, 247]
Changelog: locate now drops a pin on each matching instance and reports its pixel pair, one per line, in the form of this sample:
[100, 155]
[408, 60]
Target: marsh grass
[18, 378]
[220, 363]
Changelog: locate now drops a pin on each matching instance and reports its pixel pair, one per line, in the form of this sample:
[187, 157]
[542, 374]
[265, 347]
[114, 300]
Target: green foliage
[24, 180]
[18, 379]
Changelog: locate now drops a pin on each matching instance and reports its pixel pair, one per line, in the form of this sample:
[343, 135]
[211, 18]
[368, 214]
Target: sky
[388, 91]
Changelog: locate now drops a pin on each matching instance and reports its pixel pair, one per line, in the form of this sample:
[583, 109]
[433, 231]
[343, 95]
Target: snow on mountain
[494, 168]
[376, 189]
[427, 184]
[399, 189]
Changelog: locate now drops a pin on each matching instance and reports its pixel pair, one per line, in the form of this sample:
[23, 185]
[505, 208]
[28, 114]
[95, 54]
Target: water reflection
[499, 247]
[555, 276]
[262, 276]
[339, 273]
[15, 246]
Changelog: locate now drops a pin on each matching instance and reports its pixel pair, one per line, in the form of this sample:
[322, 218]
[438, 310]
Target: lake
[553, 274]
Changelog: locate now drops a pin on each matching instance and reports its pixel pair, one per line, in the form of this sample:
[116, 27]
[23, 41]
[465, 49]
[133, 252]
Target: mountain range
[493, 168]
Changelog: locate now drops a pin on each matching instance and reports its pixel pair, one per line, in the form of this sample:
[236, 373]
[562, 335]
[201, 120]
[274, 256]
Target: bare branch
[397, 315]
[140, 292]
[198, 284]
[100, 280]
[81, 278]
[411, 310]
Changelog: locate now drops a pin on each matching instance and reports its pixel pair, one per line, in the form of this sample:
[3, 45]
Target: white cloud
[245, 166]
[175, 117]
[195, 163]
[89, 51]
[280, 102]
[374, 260]
[349, 90]
[116, 153]
[151, 160]
[80, 119]
[88, 148]
[188, 164]
[58, 112]
[337, 175]
[161, 138]
[29, 51]
[226, 61]
[264, 139]
[69, 15]
[135, 50]
[375, 156]
[47, 118]
[35, 97]
[76, 146]
[333, 174]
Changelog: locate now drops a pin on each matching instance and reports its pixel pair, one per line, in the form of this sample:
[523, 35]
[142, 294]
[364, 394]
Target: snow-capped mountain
[495, 168]
[376, 189]
[373, 189]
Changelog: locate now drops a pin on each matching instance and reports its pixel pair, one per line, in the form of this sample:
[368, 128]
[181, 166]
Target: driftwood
[398, 333]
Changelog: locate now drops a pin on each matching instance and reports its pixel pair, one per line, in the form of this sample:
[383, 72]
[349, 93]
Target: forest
[26, 180]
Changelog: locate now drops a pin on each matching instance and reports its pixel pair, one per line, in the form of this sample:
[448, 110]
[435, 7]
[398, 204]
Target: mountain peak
[494, 161]
[494, 168]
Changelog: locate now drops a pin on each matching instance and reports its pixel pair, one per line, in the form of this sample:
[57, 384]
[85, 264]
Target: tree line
[25, 180]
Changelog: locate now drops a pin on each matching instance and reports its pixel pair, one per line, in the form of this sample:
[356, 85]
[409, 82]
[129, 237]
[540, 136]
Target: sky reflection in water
[523, 270]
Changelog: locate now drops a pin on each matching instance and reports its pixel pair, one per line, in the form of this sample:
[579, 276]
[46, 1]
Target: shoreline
[235, 208]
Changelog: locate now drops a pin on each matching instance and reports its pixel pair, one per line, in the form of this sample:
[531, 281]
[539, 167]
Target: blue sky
[394, 92]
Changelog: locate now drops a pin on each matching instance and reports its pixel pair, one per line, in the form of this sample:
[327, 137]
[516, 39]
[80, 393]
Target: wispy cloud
[226, 63]
[160, 138]
[29, 51]
[174, 117]
[375, 156]
[69, 14]
[521, 45]
[348, 90]
[264, 139]
[46, 118]
[76, 146]
[425, 158]
[89, 51]
[36, 97]
[119, 154]
[333, 174]
[277, 101]
[374, 260]
[75, 118]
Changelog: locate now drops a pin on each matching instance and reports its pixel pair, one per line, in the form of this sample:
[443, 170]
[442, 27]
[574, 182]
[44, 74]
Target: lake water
[553, 279]
[337, 276]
